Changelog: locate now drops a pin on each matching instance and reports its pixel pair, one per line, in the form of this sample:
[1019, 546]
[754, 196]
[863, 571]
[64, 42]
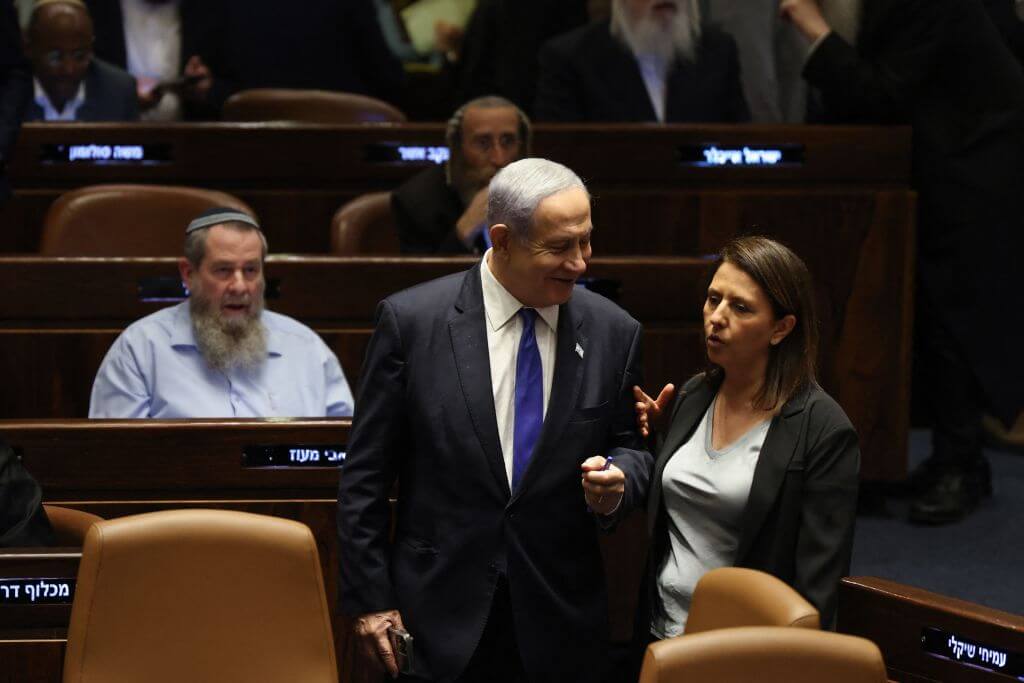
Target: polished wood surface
[894, 615]
[58, 317]
[296, 176]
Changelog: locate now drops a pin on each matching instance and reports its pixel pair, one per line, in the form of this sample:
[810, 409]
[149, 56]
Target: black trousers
[496, 658]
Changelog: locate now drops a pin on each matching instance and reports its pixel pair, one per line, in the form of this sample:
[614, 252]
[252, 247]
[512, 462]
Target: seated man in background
[442, 210]
[219, 354]
[70, 84]
[652, 62]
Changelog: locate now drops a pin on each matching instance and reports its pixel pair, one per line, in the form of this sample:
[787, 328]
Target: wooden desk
[296, 176]
[909, 624]
[119, 467]
[58, 317]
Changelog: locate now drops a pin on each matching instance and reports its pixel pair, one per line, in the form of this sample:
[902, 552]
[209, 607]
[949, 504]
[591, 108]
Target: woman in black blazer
[772, 485]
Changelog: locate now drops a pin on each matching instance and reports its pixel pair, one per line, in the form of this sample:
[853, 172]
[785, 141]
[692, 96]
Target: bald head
[59, 41]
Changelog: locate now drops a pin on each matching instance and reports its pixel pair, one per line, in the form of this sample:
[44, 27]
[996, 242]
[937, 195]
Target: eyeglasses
[78, 57]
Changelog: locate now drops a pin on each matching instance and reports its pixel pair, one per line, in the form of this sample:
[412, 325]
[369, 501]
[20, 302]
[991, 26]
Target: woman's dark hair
[785, 280]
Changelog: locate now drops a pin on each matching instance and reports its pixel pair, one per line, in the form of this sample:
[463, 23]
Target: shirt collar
[182, 333]
[50, 112]
[499, 304]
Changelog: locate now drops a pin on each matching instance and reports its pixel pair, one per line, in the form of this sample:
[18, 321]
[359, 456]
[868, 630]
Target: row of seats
[149, 220]
[241, 597]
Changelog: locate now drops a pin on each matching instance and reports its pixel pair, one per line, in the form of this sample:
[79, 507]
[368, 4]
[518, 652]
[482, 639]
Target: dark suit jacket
[799, 518]
[941, 67]
[499, 50]
[589, 75]
[425, 415]
[425, 209]
[23, 521]
[109, 96]
[319, 44]
[15, 87]
[110, 46]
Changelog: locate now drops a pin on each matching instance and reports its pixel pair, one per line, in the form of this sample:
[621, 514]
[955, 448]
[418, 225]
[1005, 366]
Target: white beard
[843, 16]
[646, 36]
[227, 344]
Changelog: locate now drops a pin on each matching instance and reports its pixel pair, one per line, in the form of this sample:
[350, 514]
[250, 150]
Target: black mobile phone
[401, 645]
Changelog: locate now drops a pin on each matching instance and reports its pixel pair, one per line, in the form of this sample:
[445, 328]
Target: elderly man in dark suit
[941, 67]
[71, 84]
[652, 62]
[441, 210]
[489, 395]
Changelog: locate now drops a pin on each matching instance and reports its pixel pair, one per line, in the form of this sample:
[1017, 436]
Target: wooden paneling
[296, 176]
[894, 616]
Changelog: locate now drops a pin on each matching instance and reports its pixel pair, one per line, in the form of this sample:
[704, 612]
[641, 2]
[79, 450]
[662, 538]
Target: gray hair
[453, 132]
[195, 241]
[517, 190]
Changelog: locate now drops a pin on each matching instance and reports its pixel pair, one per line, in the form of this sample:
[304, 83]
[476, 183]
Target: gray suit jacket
[109, 96]
[425, 416]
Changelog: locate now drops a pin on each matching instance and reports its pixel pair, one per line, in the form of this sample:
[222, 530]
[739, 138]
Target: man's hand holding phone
[375, 631]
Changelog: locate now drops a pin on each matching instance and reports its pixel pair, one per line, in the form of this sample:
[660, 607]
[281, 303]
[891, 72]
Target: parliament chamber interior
[214, 546]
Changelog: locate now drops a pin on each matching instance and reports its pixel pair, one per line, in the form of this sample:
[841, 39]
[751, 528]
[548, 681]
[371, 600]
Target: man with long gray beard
[653, 61]
[219, 353]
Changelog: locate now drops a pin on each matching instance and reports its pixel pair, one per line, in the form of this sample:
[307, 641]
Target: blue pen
[608, 462]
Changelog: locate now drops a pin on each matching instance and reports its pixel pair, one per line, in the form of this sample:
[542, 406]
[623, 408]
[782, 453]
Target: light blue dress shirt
[154, 369]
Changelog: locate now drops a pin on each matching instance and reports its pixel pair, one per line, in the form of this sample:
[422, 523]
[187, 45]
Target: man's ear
[186, 271]
[783, 326]
[500, 238]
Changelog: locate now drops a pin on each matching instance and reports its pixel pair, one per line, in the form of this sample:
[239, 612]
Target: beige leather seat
[70, 526]
[763, 654]
[308, 106]
[200, 595]
[365, 226]
[734, 596]
[127, 220]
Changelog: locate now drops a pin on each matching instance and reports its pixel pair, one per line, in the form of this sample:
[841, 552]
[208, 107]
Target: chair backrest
[365, 225]
[733, 596]
[69, 525]
[200, 595]
[127, 220]
[308, 106]
[765, 654]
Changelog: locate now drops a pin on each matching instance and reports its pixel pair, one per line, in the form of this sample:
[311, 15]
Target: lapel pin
[579, 350]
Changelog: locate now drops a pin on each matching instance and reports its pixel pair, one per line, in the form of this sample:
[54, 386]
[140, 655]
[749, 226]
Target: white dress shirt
[654, 71]
[504, 329]
[152, 42]
[50, 112]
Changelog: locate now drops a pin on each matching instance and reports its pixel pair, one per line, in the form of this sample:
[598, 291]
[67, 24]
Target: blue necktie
[529, 415]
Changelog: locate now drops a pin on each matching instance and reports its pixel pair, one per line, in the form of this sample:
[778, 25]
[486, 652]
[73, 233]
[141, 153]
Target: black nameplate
[36, 591]
[948, 645]
[717, 155]
[170, 288]
[104, 154]
[290, 456]
[405, 154]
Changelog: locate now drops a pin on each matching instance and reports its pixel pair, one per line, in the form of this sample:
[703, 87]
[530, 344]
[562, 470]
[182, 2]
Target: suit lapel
[776, 454]
[565, 386]
[631, 98]
[468, 332]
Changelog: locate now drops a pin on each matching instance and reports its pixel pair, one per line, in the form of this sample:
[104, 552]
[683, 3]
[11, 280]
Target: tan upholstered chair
[200, 595]
[764, 654]
[70, 526]
[733, 596]
[365, 226]
[308, 106]
[127, 220]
